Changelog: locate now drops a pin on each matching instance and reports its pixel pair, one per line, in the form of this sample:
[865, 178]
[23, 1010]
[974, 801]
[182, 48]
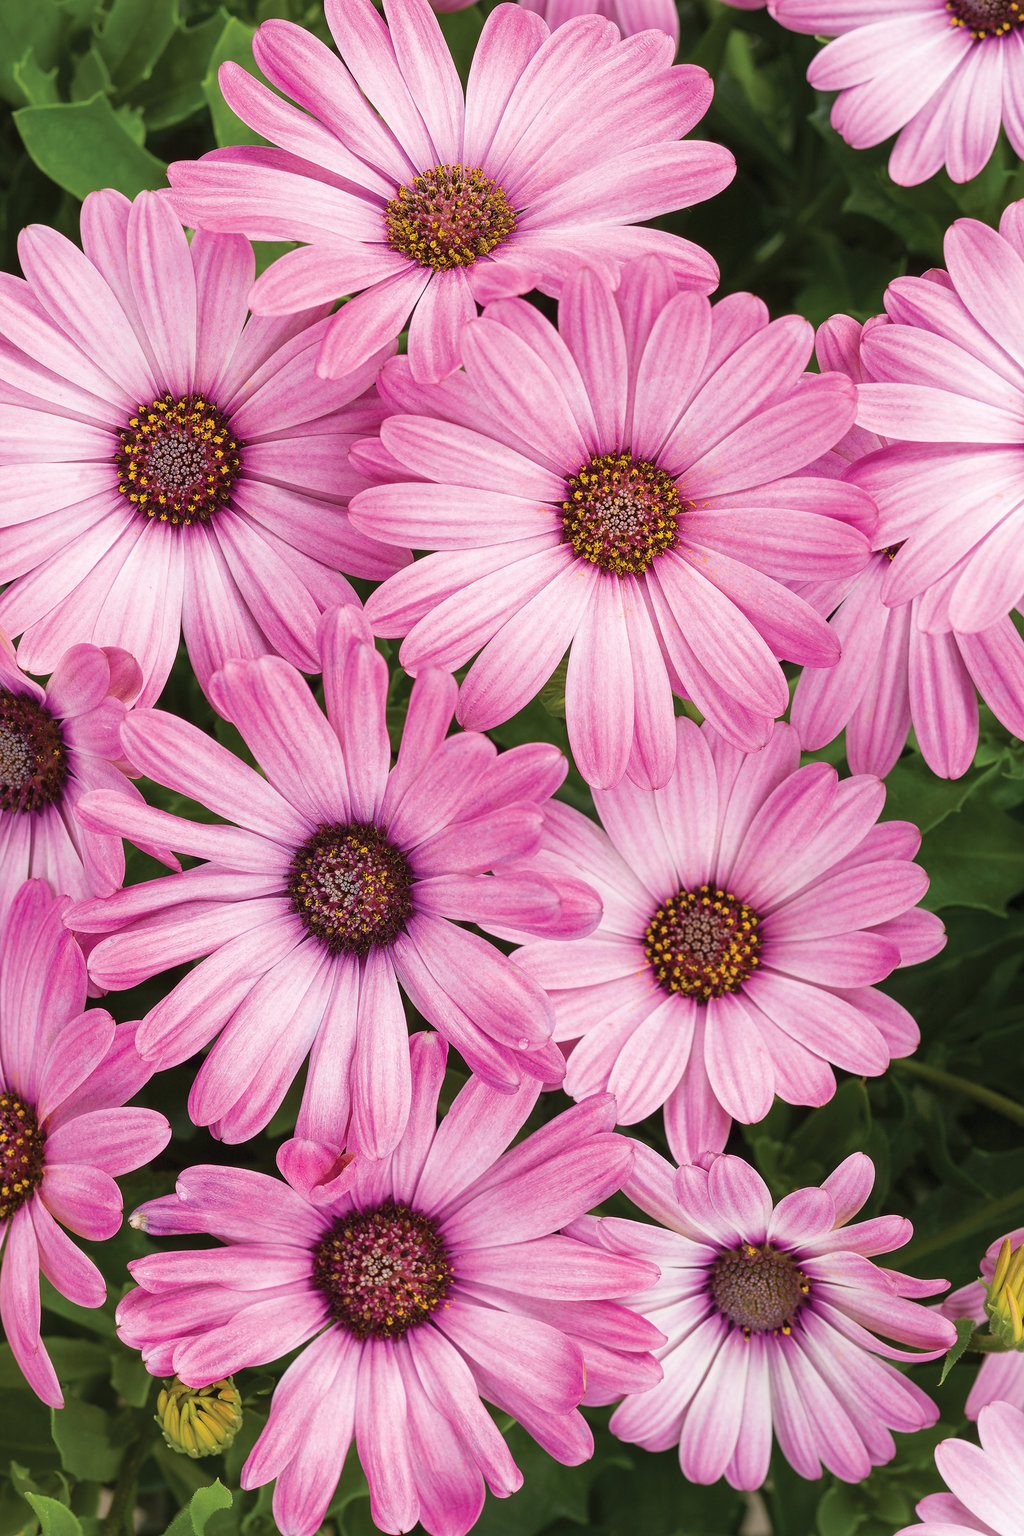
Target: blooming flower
[770, 1315]
[169, 465]
[1001, 1377]
[426, 1281]
[947, 73]
[624, 488]
[429, 202]
[630, 16]
[947, 378]
[893, 674]
[56, 743]
[749, 907]
[986, 1484]
[339, 882]
[64, 1075]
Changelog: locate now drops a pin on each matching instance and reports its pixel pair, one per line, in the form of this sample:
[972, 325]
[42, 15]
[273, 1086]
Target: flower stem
[119, 1517]
[1008, 1108]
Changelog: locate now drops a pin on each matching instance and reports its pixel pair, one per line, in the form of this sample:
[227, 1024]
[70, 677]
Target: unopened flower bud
[199, 1421]
[1005, 1299]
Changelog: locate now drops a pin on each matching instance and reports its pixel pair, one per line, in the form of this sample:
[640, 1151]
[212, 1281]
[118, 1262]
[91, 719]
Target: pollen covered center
[703, 943]
[178, 460]
[449, 217]
[985, 18]
[621, 513]
[383, 1271]
[22, 1147]
[758, 1288]
[33, 761]
[351, 888]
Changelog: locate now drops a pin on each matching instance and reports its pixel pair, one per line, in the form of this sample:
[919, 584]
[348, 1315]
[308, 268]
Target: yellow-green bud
[199, 1421]
[1004, 1302]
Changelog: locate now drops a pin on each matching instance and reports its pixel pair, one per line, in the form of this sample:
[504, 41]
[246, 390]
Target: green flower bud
[199, 1421]
[1005, 1300]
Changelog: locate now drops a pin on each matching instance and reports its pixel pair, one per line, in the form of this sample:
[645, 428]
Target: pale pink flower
[343, 883]
[169, 465]
[986, 1483]
[625, 488]
[64, 1076]
[943, 74]
[771, 1315]
[1001, 1377]
[892, 673]
[750, 906]
[430, 201]
[426, 1282]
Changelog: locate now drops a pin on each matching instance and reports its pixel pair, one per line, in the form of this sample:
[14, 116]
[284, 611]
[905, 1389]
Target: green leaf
[913, 793]
[174, 90]
[964, 1328]
[134, 35]
[96, 1319]
[191, 1521]
[91, 77]
[55, 1518]
[83, 146]
[82, 1434]
[841, 1511]
[35, 26]
[975, 859]
[130, 1378]
[235, 43]
[38, 86]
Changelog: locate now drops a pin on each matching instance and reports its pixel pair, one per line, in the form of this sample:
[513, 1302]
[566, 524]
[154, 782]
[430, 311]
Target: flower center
[985, 18]
[383, 1271]
[33, 762]
[758, 1289]
[22, 1145]
[703, 943]
[620, 513]
[449, 217]
[178, 460]
[351, 888]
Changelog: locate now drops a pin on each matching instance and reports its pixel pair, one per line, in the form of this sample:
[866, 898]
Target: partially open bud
[1005, 1297]
[199, 1421]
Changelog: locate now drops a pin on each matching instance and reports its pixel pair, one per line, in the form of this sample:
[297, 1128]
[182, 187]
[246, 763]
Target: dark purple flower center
[758, 1289]
[33, 762]
[621, 513]
[22, 1147]
[703, 943]
[449, 217]
[985, 18]
[351, 888]
[383, 1271]
[892, 550]
[178, 460]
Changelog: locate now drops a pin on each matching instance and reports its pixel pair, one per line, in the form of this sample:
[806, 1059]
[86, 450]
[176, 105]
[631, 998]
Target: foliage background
[105, 93]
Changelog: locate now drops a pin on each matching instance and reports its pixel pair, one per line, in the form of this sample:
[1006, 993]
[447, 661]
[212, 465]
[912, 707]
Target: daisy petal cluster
[620, 489]
[1001, 1376]
[419, 1284]
[424, 201]
[629, 16]
[170, 465]
[65, 1073]
[771, 1314]
[986, 1482]
[342, 884]
[750, 907]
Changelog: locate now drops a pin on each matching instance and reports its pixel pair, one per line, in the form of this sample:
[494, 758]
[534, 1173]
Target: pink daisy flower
[169, 465]
[623, 488]
[630, 16]
[750, 905]
[986, 1483]
[893, 674]
[770, 1314]
[944, 74]
[56, 744]
[429, 201]
[64, 1076]
[342, 884]
[947, 378]
[426, 1282]
[1001, 1377]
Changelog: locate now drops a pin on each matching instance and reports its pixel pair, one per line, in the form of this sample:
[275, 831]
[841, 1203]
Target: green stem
[1008, 1108]
[986, 1344]
[988, 1216]
[119, 1517]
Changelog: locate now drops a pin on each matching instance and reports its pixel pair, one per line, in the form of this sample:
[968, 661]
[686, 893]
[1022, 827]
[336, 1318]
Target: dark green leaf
[174, 89]
[975, 859]
[965, 1326]
[84, 145]
[134, 35]
[38, 86]
[82, 1433]
[91, 77]
[35, 26]
[55, 1518]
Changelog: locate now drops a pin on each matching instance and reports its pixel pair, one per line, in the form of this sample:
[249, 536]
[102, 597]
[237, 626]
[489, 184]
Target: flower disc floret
[703, 943]
[33, 761]
[449, 217]
[383, 1271]
[351, 888]
[985, 18]
[22, 1153]
[178, 460]
[620, 513]
[758, 1288]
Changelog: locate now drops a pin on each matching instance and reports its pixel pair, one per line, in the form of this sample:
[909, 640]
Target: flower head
[171, 465]
[750, 906]
[199, 1421]
[425, 1282]
[623, 488]
[429, 201]
[64, 1075]
[986, 1483]
[344, 881]
[771, 1314]
[1001, 1375]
